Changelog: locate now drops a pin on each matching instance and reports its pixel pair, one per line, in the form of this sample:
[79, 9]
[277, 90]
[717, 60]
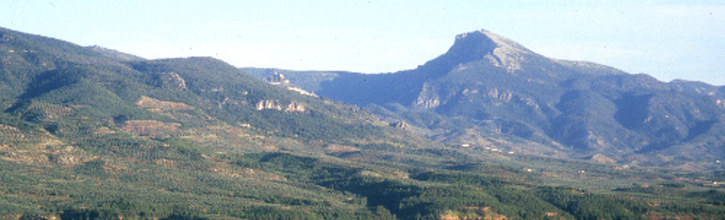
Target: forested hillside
[93, 133]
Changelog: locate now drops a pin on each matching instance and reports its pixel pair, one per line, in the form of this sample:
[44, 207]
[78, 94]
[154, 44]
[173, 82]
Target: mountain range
[85, 119]
[487, 91]
[95, 133]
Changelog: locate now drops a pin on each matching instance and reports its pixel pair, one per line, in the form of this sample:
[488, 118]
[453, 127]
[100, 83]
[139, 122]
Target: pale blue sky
[666, 39]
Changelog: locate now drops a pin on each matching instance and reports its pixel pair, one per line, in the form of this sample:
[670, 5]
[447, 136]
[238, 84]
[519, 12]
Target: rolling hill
[94, 133]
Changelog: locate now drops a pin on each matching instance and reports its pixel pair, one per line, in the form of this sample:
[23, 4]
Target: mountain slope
[88, 133]
[99, 130]
[486, 87]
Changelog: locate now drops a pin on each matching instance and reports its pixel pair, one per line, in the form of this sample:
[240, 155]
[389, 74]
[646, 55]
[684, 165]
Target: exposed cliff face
[428, 98]
[295, 107]
[279, 79]
[507, 54]
[275, 105]
[268, 104]
[171, 80]
[498, 88]
[481, 46]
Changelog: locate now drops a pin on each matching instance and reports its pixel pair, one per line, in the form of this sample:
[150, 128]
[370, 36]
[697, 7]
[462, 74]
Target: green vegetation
[280, 185]
[85, 135]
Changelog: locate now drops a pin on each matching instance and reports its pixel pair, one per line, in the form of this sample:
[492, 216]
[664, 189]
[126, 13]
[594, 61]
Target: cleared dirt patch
[158, 106]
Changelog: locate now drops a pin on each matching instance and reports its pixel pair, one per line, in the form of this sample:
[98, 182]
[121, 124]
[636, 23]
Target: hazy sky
[666, 39]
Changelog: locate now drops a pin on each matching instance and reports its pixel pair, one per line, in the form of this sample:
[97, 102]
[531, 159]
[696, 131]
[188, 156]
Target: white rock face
[504, 96]
[428, 103]
[508, 54]
[427, 99]
[173, 79]
[268, 104]
[275, 105]
[295, 107]
[279, 79]
[301, 91]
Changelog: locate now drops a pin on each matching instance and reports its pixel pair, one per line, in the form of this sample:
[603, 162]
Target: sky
[666, 39]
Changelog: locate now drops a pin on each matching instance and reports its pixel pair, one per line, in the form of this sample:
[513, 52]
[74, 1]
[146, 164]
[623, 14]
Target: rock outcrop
[295, 107]
[275, 105]
[171, 80]
[277, 79]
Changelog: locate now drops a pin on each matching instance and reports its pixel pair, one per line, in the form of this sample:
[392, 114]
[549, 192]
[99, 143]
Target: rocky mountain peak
[498, 50]
[482, 42]
[497, 39]
[482, 45]
[472, 46]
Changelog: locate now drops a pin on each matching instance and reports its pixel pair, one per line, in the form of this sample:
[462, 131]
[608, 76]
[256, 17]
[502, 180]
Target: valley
[93, 133]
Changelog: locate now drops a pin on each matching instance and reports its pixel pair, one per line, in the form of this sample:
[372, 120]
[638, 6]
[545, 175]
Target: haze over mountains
[488, 91]
[94, 133]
